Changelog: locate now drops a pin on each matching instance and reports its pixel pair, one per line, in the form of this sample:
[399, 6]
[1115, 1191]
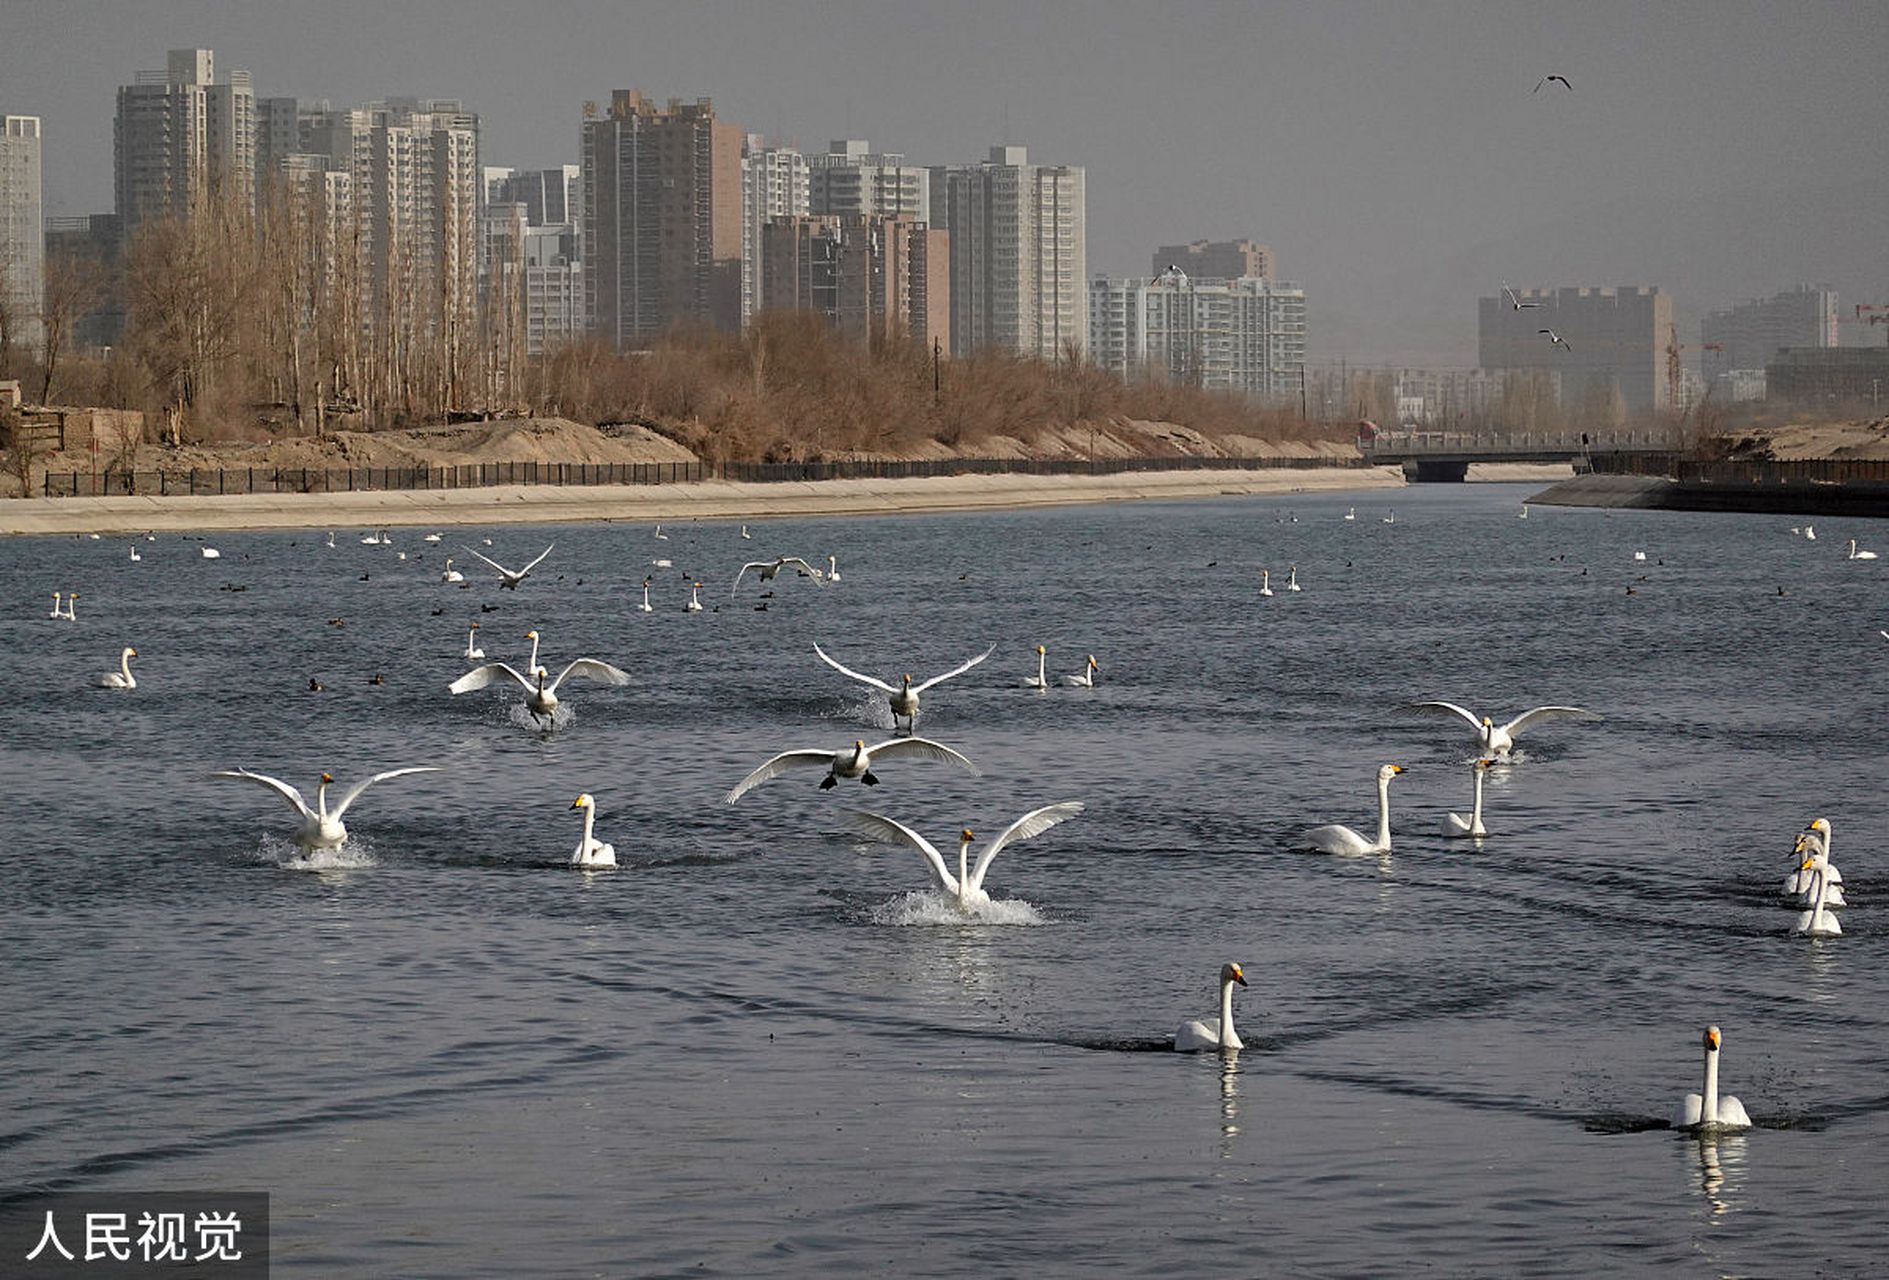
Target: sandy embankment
[534, 504]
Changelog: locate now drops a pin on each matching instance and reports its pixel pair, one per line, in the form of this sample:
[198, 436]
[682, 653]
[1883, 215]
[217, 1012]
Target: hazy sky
[1392, 154]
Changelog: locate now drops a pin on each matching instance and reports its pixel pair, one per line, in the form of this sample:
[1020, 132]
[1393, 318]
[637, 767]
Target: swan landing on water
[1192, 1037]
[967, 887]
[1707, 1112]
[854, 762]
[321, 827]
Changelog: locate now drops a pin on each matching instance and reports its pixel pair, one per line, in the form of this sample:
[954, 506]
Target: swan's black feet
[869, 779]
[827, 783]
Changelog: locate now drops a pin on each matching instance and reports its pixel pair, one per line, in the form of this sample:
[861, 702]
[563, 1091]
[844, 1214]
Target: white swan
[904, 699]
[209, 553]
[1390, 517]
[850, 762]
[1810, 532]
[1806, 877]
[473, 651]
[121, 678]
[1087, 679]
[1456, 827]
[1341, 839]
[695, 599]
[645, 606]
[1814, 839]
[508, 580]
[1499, 740]
[1707, 1112]
[1820, 921]
[451, 574]
[770, 569]
[1039, 681]
[320, 827]
[431, 537]
[1860, 555]
[331, 539]
[57, 612]
[832, 569]
[663, 564]
[540, 697]
[1265, 582]
[967, 887]
[371, 540]
[591, 852]
[1523, 515]
[1351, 513]
[661, 536]
[71, 614]
[134, 552]
[745, 533]
[1292, 578]
[1192, 1037]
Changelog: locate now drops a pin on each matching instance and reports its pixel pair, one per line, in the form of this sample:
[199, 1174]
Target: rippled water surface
[751, 1049]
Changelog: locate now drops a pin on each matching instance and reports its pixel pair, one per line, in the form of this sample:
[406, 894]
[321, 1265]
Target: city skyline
[1393, 157]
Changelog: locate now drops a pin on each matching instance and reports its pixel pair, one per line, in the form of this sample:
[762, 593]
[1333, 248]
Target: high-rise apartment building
[852, 179]
[182, 137]
[662, 218]
[870, 277]
[22, 242]
[1215, 260]
[533, 280]
[552, 197]
[774, 184]
[1750, 334]
[1617, 340]
[1018, 254]
[1244, 334]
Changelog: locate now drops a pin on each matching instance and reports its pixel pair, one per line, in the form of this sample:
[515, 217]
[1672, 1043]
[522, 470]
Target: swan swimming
[431, 537]
[71, 614]
[1390, 517]
[1820, 921]
[473, 651]
[904, 699]
[967, 887]
[745, 533]
[1351, 514]
[850, 762]
[1343, 840]
[1265, 582]
[1499, 740]
[591, 852]
[209, 553]
[508, 580]
[540, 698]
[1800, 883]
[695, 599]
[1707, 1112]
[451, 574]
[1292, 578]
[1810, 532]
[1816, 838]
[1192, 1037]
[1454, 826]
[121, 678]
[371, 540]
[661, 536]
[57, 612]
[320, 828]
[1087, 679]
[645, 606]
[770, 569]
[1039, 681]
[1859, 555]
[832, 568]
[331, 539]
[134, 552]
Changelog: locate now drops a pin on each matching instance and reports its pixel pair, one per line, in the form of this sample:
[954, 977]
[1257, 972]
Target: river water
[755, 1048]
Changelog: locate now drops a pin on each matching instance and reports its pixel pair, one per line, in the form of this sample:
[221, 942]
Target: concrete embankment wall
[1663, 493]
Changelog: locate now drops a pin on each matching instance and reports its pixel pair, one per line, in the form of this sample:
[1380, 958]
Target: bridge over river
[1445, 456]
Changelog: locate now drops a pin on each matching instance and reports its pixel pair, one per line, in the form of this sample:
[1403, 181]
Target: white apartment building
[1019, 276]
[533, 281]
[852, 179]
[22, 243]
[181, 136]
[1244, 335]
[775, 183]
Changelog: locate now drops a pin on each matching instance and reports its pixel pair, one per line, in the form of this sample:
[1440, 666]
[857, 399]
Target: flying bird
[1555, 339]
[1515, 303]
[509, 580]
[1560, 80]
[320, 827]
[769, 569]
[904, 699]
[852, 762]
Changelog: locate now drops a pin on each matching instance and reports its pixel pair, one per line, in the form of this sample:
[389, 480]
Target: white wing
[849, 672]
[479, 677]
[353, 793]
[752, 564]
[592, 669]
[1033, 823]
[818, 575]
[1514, 726]
[1513, 300]
[921, 748]
[886, 831]
[955, 671]
[535, 563]
[276, 785]
[778, 765]
[1464, 712]
[488, 559]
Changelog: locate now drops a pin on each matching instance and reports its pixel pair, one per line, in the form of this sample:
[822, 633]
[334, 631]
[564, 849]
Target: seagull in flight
[508, 580]
[1515, 303]
[1560, 80]
[1555, 339]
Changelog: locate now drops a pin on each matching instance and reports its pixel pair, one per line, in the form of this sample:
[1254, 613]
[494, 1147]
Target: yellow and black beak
[1239, 976]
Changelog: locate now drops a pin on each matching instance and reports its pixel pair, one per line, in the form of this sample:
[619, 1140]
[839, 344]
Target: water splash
[561, 717]
[928, 907]
[289, 856]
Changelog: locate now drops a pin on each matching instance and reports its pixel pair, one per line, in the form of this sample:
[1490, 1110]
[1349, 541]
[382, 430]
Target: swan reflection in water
[1229, 1101]
[1721, 1160]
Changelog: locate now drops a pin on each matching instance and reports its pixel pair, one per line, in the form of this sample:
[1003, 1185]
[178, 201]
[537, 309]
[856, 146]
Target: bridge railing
[1498, 443]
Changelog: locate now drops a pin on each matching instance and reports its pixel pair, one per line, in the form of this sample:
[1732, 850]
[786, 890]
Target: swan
[1639, 555]
[1860, 555]
[1819, 921]
[1711, 1113]
[134, 552]
[541, 698]
[904, 699]
[1390, 517]
[1265, 582]
[331, 539]
[71, 614]
[451, 574]
[1810, 532]
[769, 569]
[660, 535]
[695, 599]
[1499, 740]
[1039, 681]
[1292, 578]
[1087, 679]
[850, 762]
[121, 678]
[1816, 837]
[968, 885]
[645, 606]
[1192, 1037]
[209, 553]
[1809, 872]
[508, 580]
[1351, 513]
[473, 651]
[1341, 839]
[57, 612]
[431, 537]
[832, 569]
[745, 533]
[1457, 828]
[1523, 515]
[591, 852]
[663, 564]
[320, 827]
[371, 540]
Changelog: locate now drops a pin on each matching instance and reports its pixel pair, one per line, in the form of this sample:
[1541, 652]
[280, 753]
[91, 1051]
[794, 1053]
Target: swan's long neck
[1475, 815]
[1384, 812]
[645, 593]
[124, 664]
[590, 825]
[1226, 1014]
[1708, 1106]
[1042, 668]
[532, 665]
[321, 801]
[964, 867]
[1817, 898]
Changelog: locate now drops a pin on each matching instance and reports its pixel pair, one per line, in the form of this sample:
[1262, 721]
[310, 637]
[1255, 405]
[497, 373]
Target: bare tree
[74, 285]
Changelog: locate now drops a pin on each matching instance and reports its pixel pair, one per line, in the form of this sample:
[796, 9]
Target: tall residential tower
[1019, 278]
[22, 243]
